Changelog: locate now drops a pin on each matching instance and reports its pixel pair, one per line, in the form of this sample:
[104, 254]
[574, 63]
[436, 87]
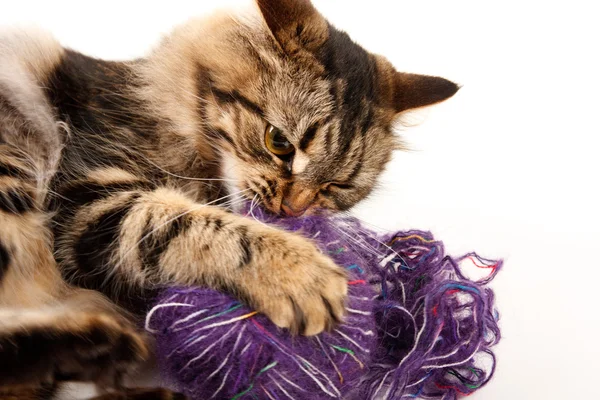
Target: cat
[117, 178]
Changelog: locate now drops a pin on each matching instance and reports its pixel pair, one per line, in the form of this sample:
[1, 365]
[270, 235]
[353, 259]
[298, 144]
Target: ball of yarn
[420, 324]
[211, 346]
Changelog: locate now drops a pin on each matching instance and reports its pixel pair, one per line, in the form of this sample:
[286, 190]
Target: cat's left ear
[295, 24]
[411, 91]
[403, 91]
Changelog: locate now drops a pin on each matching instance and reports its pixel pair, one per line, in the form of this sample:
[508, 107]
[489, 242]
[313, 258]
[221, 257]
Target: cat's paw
[295, 285]
[45, 347]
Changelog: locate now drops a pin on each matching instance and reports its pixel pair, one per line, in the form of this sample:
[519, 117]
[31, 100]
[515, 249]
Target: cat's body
[116, 178]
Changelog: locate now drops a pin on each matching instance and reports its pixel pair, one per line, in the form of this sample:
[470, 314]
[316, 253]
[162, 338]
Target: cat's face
[305, 114]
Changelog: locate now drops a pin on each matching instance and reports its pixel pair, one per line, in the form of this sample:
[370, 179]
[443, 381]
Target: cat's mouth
[281, 208]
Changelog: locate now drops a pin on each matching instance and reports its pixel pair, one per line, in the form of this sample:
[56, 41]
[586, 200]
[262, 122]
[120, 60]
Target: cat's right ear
[295, 24]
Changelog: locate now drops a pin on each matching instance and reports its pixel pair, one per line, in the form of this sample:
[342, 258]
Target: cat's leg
[123, 235]
[43, 346]
[46, 392]
[54, 391]
[48, 331]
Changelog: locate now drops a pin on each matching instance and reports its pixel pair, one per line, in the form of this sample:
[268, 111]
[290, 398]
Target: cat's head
[303, 114]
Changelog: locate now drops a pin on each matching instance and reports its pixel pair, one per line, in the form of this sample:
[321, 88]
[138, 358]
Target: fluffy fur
[116, 178]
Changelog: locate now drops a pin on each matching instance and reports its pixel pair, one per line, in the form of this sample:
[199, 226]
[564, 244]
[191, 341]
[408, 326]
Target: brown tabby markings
[119, 177]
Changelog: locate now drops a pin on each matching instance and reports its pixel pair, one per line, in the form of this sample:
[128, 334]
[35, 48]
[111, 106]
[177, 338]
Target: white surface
[508, 167]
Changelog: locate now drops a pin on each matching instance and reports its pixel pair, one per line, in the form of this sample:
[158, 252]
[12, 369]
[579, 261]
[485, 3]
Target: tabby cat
[119, 177]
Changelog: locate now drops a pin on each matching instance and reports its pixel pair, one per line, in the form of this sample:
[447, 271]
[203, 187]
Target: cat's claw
[298, 287]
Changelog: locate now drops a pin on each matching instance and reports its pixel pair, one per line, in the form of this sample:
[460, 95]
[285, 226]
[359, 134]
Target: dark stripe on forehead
[253, 147]
[349, 63]
[329, 138]
[236, 97]
[311, 132]
[367, 121]
[308, 136]
[218, 133]
[343, 59]
[357, 164]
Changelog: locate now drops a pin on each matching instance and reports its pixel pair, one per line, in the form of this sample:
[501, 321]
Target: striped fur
[119, 177]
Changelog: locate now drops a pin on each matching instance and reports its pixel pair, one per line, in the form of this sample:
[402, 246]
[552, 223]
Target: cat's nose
[290, 211]
[297, 200]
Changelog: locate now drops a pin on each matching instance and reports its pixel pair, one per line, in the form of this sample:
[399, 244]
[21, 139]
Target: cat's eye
[277, 143]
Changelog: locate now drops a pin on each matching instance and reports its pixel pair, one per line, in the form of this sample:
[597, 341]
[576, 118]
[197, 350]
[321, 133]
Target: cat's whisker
[233, 202]
[359, 235]
[349, 229]
[253, 204]
[364, 232]
[190, 178]
[362, 245]
[363, 222]
[352, 242]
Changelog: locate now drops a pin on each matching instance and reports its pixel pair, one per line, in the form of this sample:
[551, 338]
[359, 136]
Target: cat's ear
[295, 24]
[414, 91]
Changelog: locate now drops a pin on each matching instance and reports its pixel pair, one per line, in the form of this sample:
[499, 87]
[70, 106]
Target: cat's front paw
[295, 285]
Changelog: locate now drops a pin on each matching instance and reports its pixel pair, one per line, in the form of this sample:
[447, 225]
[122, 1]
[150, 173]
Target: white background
[508, 167]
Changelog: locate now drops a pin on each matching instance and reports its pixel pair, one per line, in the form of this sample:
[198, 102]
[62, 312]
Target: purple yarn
[447, 322]
[251, 357]
[420, 329]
